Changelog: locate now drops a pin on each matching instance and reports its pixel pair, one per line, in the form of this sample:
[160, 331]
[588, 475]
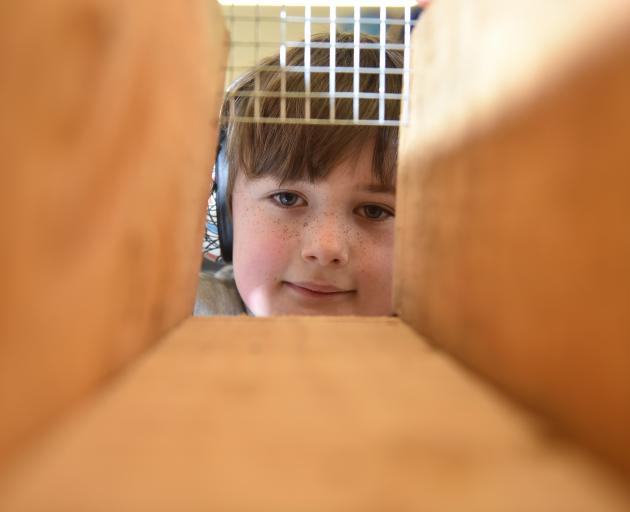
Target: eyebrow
[378, 188]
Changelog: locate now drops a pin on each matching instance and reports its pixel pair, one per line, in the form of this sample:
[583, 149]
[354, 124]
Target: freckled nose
[325, 243]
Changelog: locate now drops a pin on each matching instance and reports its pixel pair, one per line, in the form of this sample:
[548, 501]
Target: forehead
[355, 169]
[353, 174]
[357, 166]
[305, 152]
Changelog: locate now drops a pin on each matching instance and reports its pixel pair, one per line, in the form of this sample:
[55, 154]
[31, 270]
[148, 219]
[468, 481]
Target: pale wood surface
[107, 134]
[297, 414]
[513, 248]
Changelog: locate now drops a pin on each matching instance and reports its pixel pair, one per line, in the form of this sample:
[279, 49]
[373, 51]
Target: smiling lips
[317, 290]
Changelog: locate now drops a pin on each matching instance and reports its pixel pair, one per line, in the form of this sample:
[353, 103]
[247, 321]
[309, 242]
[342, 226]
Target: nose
[325, 241]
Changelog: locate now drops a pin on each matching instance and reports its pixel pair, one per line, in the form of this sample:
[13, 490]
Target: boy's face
[315, 249]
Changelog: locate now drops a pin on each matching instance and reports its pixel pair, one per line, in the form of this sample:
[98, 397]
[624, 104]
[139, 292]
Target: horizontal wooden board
[304, 414]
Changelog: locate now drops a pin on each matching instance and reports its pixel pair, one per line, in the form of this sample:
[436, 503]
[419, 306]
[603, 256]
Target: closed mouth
[317, 289]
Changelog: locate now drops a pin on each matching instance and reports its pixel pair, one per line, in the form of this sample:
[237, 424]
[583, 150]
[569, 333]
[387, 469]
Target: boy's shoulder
[217, 293]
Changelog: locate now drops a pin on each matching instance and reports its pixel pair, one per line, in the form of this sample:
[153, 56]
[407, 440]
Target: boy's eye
[286, 199]
[374, 212]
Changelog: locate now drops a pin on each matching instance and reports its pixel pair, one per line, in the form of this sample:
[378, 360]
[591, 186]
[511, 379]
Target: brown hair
[311, 151]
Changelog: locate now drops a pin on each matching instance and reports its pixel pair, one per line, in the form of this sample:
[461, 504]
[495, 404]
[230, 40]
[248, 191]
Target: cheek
[376, 253]
[375, 267]
[262, 248]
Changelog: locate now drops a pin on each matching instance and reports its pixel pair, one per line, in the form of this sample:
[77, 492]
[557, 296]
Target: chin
[332, 310]
[260, 305]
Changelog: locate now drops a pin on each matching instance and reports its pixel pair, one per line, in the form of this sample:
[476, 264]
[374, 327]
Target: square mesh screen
[259, 30]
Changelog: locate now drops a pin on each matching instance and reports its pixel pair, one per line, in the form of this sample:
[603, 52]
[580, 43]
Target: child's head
[313, 204]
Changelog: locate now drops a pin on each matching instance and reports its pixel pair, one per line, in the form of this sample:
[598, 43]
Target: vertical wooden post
[109, 113]
[514, 239]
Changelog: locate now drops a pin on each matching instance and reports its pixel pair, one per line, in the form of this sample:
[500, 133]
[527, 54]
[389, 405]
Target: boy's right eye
[287, 199]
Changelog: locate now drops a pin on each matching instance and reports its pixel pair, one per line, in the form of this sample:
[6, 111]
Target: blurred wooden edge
[290, 414]
[513, 246]
[107, 134]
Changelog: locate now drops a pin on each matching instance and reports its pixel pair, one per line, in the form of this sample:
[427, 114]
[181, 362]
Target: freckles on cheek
[375, 274]
[262, 249]
[377, 256]
[268, 243]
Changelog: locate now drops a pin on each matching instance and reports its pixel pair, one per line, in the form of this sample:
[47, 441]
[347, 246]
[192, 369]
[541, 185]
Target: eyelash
[276, 199]
[387, 213]
[384, 213]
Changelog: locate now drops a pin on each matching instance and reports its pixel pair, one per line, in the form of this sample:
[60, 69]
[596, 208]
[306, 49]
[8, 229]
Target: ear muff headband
[224, 218]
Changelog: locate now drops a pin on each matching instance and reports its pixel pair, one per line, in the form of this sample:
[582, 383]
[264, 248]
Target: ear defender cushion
[224, 219]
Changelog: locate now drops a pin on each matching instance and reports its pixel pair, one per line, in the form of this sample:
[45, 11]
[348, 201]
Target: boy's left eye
[374, 212]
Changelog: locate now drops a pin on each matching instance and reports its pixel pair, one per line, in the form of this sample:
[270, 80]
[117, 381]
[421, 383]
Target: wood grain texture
[107, 133]
[513, 248]
[303, 414]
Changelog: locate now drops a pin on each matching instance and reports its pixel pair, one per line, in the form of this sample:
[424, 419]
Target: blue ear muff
[224, 217]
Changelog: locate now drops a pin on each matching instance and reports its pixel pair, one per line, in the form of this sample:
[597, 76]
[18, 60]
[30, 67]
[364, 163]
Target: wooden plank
[513, 248]
[304, 414]
[106, 139]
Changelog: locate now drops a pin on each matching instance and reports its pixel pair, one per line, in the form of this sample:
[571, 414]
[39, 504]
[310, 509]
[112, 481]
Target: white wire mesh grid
[258, 30]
